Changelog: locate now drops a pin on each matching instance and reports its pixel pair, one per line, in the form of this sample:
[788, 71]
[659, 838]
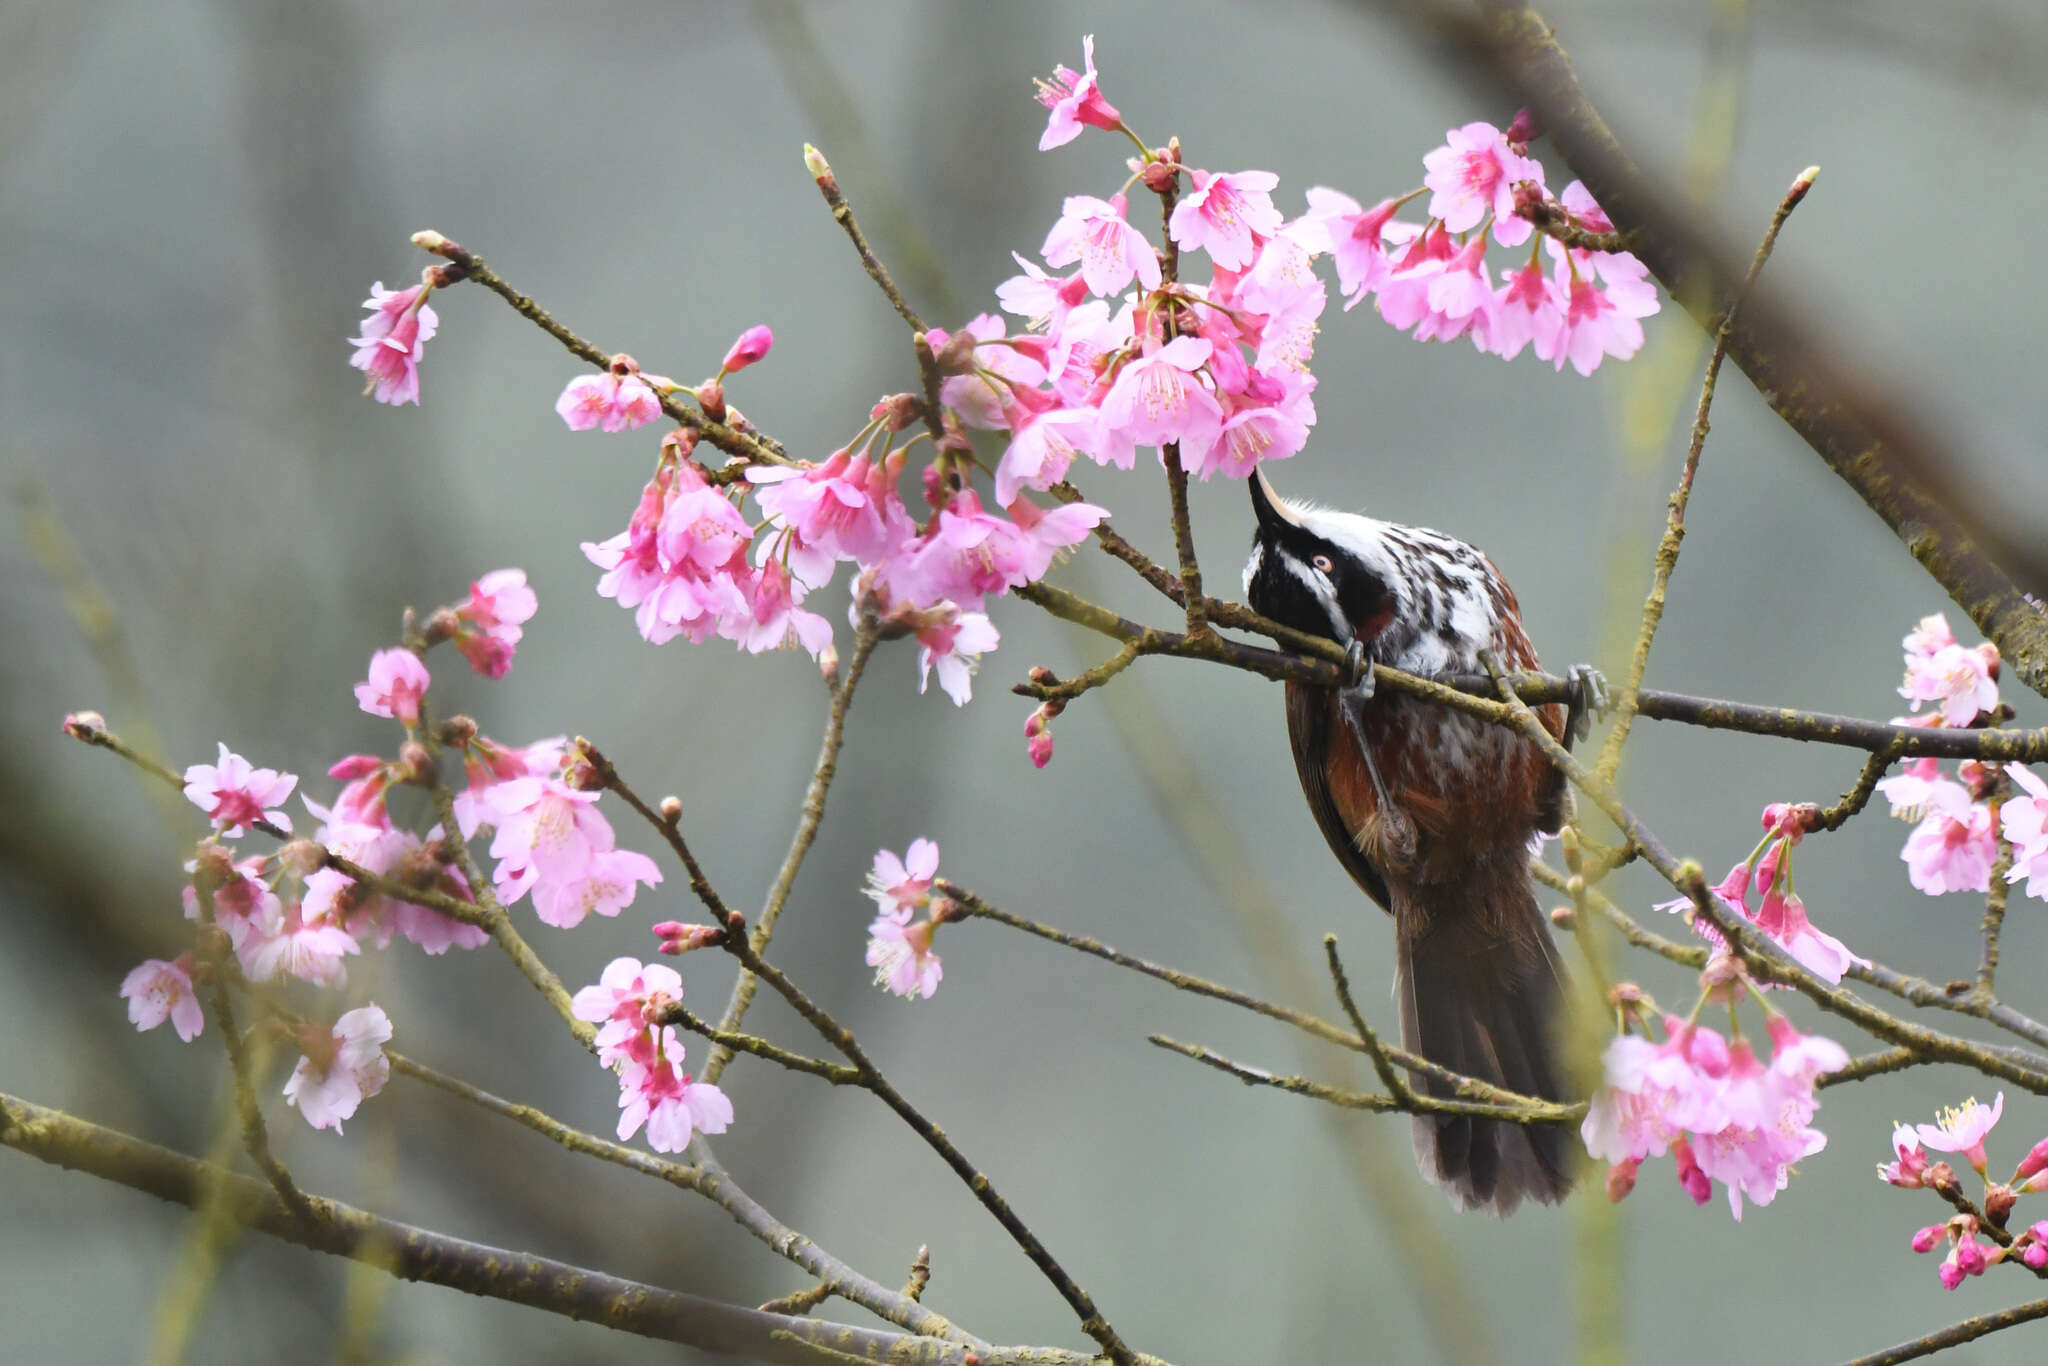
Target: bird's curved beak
[1272, 512]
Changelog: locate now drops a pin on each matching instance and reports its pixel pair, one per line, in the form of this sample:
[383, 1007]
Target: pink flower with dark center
[1961, 1129]
[341, 1068]
[1954, 846]
[953, 642]
[1159, 399]
[775, 621]
[233, 795]
[1530, 309]
[1357, 242]
[1599, 323]
[624, 1003]
[752, 345]
[394, 335]
[158, 991]
[1462, 289]
[1111, 251]
[241, 896]
[1404, 293]
[1075, 99]
[397, 682]
[902, 957]
[614, 403]
[901, 887]
[1474, 174]
[1221, 214]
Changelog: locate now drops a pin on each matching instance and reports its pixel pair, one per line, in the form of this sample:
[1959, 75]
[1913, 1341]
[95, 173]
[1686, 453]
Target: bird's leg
[1397, 835]
[1587, 698]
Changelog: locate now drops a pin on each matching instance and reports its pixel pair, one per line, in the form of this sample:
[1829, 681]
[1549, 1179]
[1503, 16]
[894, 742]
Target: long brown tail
[1480, 988]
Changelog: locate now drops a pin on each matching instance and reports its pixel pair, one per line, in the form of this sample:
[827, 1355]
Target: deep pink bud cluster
[1723, 1114]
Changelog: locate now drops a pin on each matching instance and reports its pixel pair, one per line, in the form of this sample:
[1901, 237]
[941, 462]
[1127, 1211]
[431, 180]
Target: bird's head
[1318, 571]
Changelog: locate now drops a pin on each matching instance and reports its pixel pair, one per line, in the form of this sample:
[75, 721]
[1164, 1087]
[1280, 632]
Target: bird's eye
[1322, 564]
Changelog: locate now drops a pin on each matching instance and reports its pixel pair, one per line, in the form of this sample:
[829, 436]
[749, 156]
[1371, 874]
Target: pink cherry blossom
[486, 763]
[1599, 323]
[1159, 399]
[1910, 789]
[752, 345]
[233, 795]
[1356, 238]
[240, 896]
[1530, 311]
[491, 623]
[623, 1003]
[1404, 293]
[775, 620]
[282, 940]
[901, 955]
[1651, 1093]
[1954, 846]
[552, 841]
[1961, 1129]
[341, 1069]
[1043, 300]
[1221, 214]
[982, 396]
[1964, 681]
[1042, 448]
[1766, 1130]
[612, 402]
[397, 682]
[660, 1095]
[953, 642]
[1257, 432]
[1111, 251]
[394, 335]
[1474, 174]
[1783, 918]
[157, 991]
[1075, 98]
[846, 508]
[1910, 1170]
[2024, 822]
[901, 887]
[680, 559]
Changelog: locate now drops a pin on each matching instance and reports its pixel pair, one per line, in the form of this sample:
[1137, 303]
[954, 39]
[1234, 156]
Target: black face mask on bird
[1432, 812]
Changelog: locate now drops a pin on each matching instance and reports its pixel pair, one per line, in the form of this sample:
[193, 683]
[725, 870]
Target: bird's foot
[1588, 697]
[1358, 672]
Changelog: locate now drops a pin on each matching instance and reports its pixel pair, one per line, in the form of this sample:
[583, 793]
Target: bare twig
[1674, 524]
[1535, 1112]
[1994, 909]
[1396, 1086]
[808, 819]
[740, 945]
[837, 1073]
[842, 214]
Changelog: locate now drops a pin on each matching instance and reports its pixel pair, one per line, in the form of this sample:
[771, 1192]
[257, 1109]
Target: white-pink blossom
[397, 682]
[233, 794]
[157, 991]
[341, 1068]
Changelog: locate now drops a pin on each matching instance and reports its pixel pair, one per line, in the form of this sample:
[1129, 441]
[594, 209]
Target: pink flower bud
[2036, 1255]
[1925, 1239]
[711, 398]
[753, 344]
[85, 725]
[2036, 1160]
[1621, 1179]
[1524, 130]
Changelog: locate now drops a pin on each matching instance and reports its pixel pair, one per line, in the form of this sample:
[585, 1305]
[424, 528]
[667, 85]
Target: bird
[1434, 812]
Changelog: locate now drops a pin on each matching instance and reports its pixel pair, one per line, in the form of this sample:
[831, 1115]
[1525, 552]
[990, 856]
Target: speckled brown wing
[1310, 718]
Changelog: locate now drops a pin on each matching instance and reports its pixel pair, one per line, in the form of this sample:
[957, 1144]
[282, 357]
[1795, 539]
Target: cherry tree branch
[1955, 1335]
[419, 1254]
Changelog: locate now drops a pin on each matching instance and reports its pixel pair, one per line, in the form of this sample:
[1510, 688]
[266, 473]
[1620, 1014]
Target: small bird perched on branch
[1432, 812]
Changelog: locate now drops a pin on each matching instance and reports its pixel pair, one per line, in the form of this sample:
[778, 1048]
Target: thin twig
[255, 1137]
[740, 945]
[1396, 1086]
[1537, 1112]
[1856, 798]
[839, 1074]
[1674, 524]
[1994, 908]
[800, 1302]
[842, 214]
[669, 830]
[808, 819]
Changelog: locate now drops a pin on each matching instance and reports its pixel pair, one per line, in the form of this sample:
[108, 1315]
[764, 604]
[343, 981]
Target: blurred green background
[195, 196]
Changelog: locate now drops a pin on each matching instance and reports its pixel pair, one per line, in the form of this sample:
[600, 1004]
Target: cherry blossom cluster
[1959, 820]
[899, 944]
[1962, 1130]
[627, 1003]
[293, 914]
[1720, 1111]
[1780, 913]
